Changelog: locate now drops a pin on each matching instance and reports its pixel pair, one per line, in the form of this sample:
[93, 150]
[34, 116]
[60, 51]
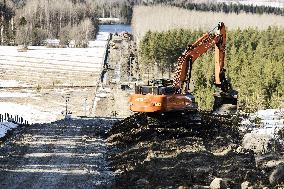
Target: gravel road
[64, 154]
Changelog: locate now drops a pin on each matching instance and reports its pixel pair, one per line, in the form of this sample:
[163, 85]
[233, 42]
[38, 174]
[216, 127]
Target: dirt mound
[180, 150]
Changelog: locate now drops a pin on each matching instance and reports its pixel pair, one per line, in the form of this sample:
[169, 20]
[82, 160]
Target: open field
[41, 66]
[35, 84]
[163, 18]
[46, 105]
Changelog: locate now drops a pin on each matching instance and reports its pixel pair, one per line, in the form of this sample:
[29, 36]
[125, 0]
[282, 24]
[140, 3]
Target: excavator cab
[160, 96]
[156, 87]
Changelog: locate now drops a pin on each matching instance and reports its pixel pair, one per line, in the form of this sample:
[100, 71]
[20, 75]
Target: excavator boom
[195, 50]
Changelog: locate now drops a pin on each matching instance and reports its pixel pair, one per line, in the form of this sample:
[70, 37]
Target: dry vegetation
[162, 18]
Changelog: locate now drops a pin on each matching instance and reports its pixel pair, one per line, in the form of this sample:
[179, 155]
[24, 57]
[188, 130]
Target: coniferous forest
[254, 63]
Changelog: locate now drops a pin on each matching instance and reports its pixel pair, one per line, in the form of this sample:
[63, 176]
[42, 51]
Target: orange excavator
[174, 95]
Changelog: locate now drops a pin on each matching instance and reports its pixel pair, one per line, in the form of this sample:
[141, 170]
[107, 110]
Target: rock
[142, 182]
[259, 143]
[218, 183]
[199, 187]
[245, 185]
[183, 187]
[242, 150]
[277, 175]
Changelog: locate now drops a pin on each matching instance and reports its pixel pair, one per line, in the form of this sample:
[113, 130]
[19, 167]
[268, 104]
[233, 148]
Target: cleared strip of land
[162, 18]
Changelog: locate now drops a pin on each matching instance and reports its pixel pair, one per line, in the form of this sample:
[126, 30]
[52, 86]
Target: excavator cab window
[156, 87]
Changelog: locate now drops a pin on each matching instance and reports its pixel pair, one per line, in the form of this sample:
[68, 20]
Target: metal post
[67, 99]
[85, 106]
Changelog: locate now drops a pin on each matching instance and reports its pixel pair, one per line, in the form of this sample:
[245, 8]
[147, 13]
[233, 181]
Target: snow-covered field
[10, 83]
[16, 95]
[41, 67]
[30, 113]
[45, 66]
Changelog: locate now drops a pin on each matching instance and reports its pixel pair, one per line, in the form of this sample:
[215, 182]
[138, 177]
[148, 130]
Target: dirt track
[65, 154]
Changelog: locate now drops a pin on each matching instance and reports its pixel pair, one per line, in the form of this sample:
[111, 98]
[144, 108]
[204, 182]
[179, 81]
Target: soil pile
[176, 150]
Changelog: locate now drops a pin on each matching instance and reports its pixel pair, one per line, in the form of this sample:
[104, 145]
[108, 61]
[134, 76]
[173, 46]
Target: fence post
[14, 118]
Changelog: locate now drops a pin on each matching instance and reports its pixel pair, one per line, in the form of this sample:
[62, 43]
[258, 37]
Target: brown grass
[162, 18]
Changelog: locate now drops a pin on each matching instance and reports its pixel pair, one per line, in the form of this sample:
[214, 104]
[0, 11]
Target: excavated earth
[186, 151]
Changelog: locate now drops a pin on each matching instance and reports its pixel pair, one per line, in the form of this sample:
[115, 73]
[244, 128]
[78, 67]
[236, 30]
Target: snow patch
[263, 130]
[5, 127]
[270, 121]
[30, 113]
[9, 83]
[15, 95]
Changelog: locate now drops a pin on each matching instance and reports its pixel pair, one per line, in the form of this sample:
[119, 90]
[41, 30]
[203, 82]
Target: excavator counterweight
[174, 95]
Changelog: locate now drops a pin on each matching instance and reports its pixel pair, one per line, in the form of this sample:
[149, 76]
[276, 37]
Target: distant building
[109, 20]
[52, 42]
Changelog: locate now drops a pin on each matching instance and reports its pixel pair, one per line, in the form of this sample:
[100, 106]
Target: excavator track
[168, 118]
[191, 118]
[147, 127]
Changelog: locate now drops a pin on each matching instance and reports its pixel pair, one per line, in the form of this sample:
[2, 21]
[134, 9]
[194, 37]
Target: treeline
[66, 20]
[254, 63]
[220, 7]
[32, 21]
[231, 8]
[6, 28]
[121, 9]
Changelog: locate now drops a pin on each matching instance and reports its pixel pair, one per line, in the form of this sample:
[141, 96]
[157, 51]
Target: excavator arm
[195, 50]
[181, 81]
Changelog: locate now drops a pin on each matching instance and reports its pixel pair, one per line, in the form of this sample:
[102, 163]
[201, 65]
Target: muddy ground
[170, 153]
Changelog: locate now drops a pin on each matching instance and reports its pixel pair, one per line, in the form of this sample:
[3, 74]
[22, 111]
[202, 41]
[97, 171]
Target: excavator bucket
[225, 104]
